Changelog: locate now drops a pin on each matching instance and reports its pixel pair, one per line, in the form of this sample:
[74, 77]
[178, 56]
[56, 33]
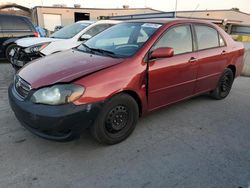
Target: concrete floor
[198, 143]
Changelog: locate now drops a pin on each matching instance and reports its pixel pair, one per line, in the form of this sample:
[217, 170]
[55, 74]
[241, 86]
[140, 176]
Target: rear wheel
[117, 120]
[224, 86]
[8, 50]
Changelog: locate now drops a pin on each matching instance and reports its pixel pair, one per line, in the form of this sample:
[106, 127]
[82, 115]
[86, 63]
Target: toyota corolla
[123, 73]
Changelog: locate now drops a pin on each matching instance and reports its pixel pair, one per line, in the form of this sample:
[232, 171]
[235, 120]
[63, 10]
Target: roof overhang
[14, 5]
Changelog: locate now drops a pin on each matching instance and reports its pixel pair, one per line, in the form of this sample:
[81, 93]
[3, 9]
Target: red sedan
[121, 74]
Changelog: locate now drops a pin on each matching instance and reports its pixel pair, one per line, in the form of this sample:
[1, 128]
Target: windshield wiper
[106, 52]
[87, 47]
[112, 54]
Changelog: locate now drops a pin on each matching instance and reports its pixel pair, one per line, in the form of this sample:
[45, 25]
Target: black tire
[117, 120]
[8, 49]
[224, 85]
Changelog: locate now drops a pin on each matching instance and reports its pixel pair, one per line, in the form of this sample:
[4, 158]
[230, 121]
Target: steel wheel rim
[117, 120]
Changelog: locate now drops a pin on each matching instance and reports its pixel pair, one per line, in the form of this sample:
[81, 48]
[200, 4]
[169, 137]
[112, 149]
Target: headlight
[58, 94]
[36, 48]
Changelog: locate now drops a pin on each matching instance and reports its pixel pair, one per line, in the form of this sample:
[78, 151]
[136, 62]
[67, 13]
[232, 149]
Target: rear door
[173, 79]
[212, 59]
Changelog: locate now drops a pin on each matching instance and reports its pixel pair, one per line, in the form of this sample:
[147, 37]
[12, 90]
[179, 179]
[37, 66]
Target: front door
[173, 79]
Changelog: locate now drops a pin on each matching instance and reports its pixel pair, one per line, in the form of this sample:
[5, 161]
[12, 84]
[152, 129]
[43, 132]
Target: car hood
[64, 67]
[30, 41]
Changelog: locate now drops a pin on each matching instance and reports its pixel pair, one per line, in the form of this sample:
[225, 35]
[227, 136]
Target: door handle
[193, 59]
[223, 52]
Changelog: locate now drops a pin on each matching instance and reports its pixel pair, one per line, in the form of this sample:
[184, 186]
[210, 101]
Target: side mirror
[162, 53]
[85, 37]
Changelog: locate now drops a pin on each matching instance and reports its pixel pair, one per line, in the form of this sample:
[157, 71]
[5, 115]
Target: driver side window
[179, 38]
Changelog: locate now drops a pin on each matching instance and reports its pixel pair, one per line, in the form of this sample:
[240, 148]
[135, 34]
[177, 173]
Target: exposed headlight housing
[58, 94]
[36, 48]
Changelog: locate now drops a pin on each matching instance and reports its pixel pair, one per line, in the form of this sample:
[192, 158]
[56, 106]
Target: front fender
[126, 77]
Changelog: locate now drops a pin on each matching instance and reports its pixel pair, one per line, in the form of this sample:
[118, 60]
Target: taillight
[36, 34]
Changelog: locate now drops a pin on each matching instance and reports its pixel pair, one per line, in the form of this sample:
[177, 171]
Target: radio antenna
[176, 4]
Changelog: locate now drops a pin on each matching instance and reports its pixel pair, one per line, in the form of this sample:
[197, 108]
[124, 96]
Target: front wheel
[117, 120]
[224, 86]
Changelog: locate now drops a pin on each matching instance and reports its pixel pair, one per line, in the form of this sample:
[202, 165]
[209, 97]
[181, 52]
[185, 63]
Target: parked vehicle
[12, 28]
[66, 38]
[123, 73]
[41, 31]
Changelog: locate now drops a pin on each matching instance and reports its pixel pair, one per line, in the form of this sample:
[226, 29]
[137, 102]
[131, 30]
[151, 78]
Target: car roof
[168, 20]
[100, 21]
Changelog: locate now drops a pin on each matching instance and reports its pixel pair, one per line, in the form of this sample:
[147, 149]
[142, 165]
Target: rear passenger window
[179, 38]
[207, 37]
[10, 23]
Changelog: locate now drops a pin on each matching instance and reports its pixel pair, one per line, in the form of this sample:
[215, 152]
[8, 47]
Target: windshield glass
[122, 40]
[69, 31]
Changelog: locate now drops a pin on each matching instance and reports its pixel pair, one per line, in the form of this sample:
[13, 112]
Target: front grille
[22, 87]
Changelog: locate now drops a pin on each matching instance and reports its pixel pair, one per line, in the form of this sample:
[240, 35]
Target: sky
[163, 5]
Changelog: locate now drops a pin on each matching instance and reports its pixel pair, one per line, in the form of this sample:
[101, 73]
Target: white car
[28, 49]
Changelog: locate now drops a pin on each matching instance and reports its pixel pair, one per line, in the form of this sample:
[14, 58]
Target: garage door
[51, 21]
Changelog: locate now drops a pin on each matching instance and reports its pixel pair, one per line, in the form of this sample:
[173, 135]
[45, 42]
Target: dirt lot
[197, 143]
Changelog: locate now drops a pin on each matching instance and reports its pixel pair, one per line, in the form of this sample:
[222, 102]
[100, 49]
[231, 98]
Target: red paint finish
[171, 79]
[64, 67]
[212, 63]
[162, 53]
[210, 67]
[156, 83]
[108, 82]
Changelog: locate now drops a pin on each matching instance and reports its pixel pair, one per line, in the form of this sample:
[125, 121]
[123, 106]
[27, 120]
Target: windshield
[122, 40]
[69, 31]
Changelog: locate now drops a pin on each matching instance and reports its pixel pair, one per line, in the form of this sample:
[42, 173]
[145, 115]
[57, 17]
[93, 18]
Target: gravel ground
[197, 143]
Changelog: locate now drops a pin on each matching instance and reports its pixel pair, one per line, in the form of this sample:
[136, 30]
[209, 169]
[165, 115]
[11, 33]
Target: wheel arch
[233, 68]
[9, 42]
[136, 97]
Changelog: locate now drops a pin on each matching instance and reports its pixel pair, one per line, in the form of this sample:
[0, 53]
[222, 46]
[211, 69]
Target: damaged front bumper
[18, 57]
